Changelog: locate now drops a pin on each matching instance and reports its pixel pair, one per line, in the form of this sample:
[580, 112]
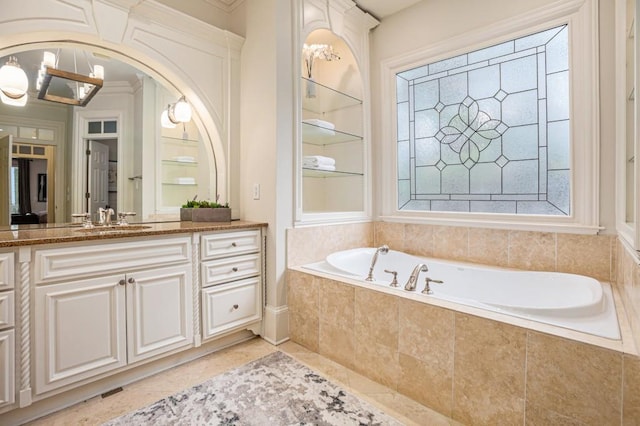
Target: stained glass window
[488, 131]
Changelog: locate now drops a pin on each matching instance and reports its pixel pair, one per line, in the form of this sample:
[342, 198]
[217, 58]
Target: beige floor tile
[147, 391]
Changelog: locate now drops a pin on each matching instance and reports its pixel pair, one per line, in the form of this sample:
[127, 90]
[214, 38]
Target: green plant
[204, 204]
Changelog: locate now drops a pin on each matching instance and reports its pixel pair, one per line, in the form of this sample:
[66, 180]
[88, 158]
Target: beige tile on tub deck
[489, 246]
[569, 382]
[426, 343]
[534, 251]
[336, 338]
[303, 302]
[376, 317]
[489, 372]
[631, 391]
[299, 251]
[588, 255]
[450, 242]
[376, 336]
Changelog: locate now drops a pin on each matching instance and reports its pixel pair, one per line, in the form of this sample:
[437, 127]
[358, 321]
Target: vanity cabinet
[102, 307]
[7, 330]
[231, 280]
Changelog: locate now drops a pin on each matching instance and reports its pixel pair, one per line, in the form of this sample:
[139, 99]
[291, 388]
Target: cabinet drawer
[230, 269]
[225, 244]
[230, 306]
[7, 368]
[6, 270]
[7, 303]
[82, 261]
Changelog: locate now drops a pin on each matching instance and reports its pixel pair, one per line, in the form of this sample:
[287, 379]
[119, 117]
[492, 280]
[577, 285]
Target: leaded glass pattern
[488, 131]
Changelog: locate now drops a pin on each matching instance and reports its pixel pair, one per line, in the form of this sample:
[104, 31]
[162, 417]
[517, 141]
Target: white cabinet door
[230, 306]
[6, 271]
[79, 330]
[159, 311]
[7, 368]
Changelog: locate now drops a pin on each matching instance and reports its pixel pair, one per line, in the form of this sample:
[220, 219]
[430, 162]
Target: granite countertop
[61, 234]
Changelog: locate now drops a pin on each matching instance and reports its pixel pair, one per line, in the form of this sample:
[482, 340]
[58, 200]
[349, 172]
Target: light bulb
[165, 122]
[182, 110]
[98, 71]
[20, 102]
[49, 59]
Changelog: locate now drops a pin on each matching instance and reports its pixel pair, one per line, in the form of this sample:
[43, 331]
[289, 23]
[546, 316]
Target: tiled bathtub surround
[590, 255]
[447, 359]
[628, 282]
[474, 370]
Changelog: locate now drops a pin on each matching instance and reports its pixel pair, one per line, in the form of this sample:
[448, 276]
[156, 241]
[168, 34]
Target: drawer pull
[235, 306]
[233, 244]
[122, 282]
[131, 280]
[234, 269]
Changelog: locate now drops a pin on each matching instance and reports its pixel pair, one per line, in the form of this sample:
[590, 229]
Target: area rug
[271, 391]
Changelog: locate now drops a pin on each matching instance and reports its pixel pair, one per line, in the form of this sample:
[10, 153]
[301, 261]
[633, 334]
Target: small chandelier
[86, 86]
[13, 83]
[180, 112]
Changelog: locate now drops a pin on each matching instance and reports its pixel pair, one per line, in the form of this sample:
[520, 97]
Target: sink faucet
[105, 216]
[413, 278]
[380, 250]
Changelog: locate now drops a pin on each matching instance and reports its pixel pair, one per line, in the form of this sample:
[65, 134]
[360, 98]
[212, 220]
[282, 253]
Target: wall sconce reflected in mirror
[13, 83]
[180, 112]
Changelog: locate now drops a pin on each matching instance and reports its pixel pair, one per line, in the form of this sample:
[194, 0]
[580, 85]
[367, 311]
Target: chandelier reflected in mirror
[86, 86]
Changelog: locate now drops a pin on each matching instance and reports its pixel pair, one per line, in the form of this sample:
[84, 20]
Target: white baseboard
[276, 324]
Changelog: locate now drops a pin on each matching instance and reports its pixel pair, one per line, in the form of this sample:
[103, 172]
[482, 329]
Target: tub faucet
[413, 278]
[380, 250]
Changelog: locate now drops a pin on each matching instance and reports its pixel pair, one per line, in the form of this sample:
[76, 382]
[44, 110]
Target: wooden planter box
[220, 214]
[185, 213]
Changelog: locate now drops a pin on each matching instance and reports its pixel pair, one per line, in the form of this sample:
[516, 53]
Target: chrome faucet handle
[122, 217]
[427, 287]
[394, 282]
[86, 219]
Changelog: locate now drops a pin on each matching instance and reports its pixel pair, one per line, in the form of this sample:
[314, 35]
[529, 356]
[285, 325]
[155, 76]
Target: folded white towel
[320, 123]
[325, 167]
[316, 160]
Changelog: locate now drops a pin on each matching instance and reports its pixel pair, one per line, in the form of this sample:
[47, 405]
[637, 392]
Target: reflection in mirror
[113, 152]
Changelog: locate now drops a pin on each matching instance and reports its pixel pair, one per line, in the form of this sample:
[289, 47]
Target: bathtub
[571, 301]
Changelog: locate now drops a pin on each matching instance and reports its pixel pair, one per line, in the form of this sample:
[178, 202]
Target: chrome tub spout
[413, 278]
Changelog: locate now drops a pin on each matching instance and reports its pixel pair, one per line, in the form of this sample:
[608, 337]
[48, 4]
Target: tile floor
[144, 392]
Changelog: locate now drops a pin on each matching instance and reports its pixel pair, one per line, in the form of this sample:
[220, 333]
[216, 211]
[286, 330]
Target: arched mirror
[62, 157]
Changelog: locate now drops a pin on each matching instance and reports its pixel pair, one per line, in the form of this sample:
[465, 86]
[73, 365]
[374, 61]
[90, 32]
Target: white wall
[433, 21]
[266, 153]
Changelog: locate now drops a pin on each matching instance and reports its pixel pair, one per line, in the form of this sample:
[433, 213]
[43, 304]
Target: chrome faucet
[413, 278]
[105, 216]
[380, 250]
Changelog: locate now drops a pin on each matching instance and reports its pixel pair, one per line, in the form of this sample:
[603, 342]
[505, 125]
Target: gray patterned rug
[273, 390]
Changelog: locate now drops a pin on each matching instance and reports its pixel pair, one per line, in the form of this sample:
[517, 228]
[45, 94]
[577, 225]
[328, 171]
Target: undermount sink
[99, 229]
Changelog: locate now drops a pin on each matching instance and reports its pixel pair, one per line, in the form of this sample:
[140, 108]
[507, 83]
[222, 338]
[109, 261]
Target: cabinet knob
[131, 280]
[235, 306]
[122, 282]
[234, 269]
[233, 244]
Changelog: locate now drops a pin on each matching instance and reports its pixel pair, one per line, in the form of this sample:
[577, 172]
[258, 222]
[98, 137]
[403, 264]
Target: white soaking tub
[566, 300]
